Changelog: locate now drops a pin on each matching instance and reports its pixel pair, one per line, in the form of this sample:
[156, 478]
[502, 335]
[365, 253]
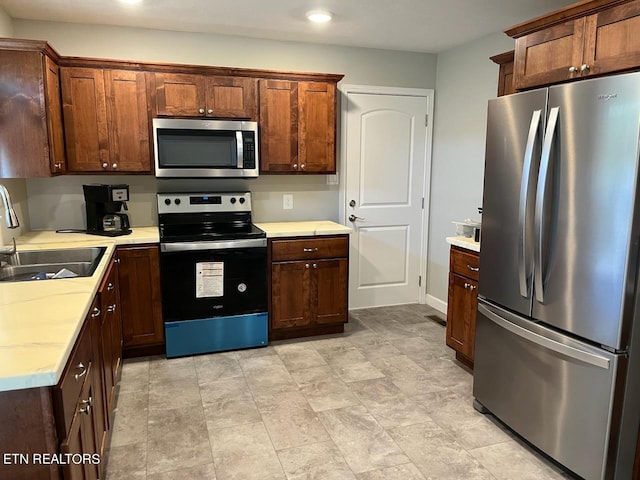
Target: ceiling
[430, 26]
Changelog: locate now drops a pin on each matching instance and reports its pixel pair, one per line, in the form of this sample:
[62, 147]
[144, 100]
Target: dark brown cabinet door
[317, 127]
[54, 116]
[461, 314]
[232, 97]
[141, 307]
[611, 40]
[30, 115]
[330, 290]
[101, 426]
[291, 284]
[549, 56]
[128, 121]
[278, 126]
[180, 95]
[85, 119]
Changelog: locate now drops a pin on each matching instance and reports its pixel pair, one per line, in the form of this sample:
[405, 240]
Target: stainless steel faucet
[10, 218]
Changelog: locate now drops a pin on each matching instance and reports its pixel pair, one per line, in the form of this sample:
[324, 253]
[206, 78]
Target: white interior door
[385, 137]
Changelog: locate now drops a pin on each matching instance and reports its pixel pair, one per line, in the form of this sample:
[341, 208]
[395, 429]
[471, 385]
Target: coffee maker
[103, 204]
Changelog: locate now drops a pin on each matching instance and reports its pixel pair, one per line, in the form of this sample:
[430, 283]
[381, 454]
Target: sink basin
[51, 264]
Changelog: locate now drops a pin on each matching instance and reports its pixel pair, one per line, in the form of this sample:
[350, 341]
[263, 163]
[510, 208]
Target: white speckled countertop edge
[464, 242]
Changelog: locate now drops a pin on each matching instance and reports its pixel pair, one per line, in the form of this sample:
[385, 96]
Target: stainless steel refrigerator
[557, 347]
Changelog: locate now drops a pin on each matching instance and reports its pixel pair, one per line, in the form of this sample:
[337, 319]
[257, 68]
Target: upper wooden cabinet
[106, 119]
[186, 95]
[584, 39]
[297, 127]
[505, 74]
[31, 134]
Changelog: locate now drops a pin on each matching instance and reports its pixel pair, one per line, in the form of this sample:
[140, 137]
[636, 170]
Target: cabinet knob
[306, 265]
[111, 308]
[114, 166]
[573, 69]
[117, 260]
[210, 111]
[95, 313]
[315, 265]
[201, 111]
[295, 166]
[110, 286]
[57, 166]
[302, 166]
[584, 67]
[105, 165]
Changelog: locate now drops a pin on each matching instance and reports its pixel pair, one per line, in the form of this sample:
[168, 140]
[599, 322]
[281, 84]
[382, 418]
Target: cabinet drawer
[67, 392]
[310, 248]
[465, 263]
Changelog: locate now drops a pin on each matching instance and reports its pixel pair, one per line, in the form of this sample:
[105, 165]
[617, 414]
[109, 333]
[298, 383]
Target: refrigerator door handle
[571, 352]
[540, 201]
[524, 253]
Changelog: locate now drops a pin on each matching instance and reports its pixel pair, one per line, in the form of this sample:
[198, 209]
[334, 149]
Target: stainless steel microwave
[186, 148]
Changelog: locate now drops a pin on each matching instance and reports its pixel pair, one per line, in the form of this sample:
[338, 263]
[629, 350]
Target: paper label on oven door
[209, 279]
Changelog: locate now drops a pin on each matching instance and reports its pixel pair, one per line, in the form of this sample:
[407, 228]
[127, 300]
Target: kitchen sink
[51, 264]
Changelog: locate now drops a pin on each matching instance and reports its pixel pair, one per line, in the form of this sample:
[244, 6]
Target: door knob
[353, 218]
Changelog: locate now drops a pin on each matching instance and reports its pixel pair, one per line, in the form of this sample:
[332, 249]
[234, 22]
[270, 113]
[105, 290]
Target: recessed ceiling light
[319, 16]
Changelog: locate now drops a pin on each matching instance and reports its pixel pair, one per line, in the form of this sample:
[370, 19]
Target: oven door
[213, 279]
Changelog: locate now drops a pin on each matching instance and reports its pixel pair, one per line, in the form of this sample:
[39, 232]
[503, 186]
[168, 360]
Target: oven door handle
[218, 245]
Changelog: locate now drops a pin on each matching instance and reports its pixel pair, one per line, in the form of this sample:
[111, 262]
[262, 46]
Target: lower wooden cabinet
[140, 301]
[308, 286]
[462, 303]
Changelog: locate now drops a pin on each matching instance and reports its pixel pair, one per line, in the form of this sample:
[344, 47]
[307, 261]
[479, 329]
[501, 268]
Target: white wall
[6, 24]
[57, 203]
[466, 79]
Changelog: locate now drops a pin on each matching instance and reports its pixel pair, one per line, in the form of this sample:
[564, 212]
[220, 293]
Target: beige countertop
[303, 229]
[464, 242]
[40, 321]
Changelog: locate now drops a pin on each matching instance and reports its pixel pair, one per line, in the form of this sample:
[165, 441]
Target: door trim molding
[347, 89]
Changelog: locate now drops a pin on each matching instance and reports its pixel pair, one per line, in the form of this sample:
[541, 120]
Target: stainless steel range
[213, 267]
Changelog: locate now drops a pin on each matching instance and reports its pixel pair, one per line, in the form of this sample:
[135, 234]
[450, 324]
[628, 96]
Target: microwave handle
[239, 148]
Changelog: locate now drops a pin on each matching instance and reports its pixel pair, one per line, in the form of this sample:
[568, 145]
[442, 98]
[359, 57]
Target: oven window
[197, 149]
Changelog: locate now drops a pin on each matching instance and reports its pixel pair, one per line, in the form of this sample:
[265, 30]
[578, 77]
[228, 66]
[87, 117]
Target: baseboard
[437, 304]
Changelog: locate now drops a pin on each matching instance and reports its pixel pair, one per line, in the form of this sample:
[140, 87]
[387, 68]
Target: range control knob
[241, 199]
[233, 200]
[177, 200]
[167, 201]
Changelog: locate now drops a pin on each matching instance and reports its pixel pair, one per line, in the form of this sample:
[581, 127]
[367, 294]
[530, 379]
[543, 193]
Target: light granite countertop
[303, 229]
[40, 321]
[464, 242]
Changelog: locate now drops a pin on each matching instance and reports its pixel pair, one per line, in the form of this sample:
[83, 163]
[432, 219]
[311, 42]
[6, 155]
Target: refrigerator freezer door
[555, 391]
[514, 135]
[585, 206]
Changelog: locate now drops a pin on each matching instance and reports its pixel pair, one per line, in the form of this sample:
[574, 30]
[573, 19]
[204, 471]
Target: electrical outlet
[287, 201]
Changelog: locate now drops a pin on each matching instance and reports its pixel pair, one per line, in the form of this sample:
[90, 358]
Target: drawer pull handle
[83, 372]
[473, 269]
[111, 308]
[110, 286]
[469, 286]
[310, 249]
[95, 313]
[87, 404]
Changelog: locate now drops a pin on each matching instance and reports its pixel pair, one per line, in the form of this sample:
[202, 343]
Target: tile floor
[384, 400]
